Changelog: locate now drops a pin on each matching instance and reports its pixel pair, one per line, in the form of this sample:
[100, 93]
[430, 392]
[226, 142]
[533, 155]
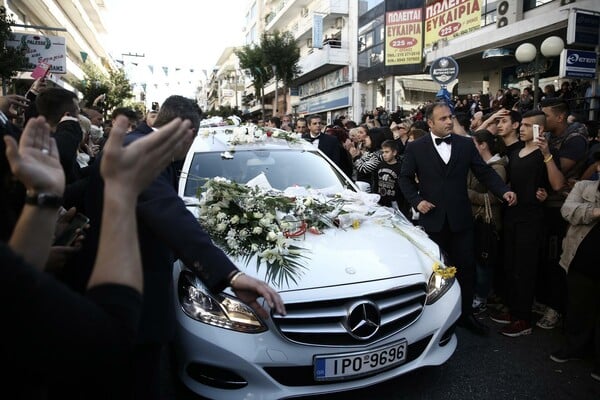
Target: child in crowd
[386, 179]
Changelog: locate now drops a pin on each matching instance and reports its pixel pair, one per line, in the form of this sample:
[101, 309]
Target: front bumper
[223, 364]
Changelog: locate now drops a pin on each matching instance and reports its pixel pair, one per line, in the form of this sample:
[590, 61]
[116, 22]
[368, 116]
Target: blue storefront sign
[325, 102]
[578, 64]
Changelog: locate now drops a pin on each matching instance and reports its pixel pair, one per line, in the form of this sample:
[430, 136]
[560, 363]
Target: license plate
[341, 366]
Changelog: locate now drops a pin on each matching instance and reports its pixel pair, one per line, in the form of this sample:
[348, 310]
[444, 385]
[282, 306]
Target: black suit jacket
[445, 185]
[331, 146]
[167, 231]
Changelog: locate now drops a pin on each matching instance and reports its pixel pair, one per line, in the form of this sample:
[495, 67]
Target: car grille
[324, 322]
[304, 375]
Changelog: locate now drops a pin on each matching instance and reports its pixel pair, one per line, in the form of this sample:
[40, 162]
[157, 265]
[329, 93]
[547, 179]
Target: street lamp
[527, 53]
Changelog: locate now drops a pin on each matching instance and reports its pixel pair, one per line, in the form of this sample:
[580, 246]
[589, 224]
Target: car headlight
[220, 310]
[437, 285]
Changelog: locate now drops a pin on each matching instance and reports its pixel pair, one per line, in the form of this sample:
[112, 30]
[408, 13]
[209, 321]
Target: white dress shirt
[443, 148]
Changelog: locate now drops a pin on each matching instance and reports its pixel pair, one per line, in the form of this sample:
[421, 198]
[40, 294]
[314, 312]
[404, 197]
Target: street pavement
[494, 367]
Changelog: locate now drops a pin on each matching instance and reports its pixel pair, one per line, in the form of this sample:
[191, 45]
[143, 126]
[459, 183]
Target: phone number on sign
[339, 367]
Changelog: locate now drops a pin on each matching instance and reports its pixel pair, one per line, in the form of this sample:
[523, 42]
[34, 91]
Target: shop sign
[582, 29]
[325, 102]
[41, 49]
[578, 64]
[447, 19]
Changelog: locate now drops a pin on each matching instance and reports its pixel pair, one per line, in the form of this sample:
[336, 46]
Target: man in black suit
[167, 231]
[440, 161]
[328, 144]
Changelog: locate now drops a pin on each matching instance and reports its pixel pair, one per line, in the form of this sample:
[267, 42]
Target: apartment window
[531, 4]
[488, 12]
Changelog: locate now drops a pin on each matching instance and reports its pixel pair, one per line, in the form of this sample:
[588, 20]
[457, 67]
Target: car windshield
[282, 168]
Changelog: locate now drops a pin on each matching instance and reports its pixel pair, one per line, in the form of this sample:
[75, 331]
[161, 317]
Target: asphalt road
[493, 367]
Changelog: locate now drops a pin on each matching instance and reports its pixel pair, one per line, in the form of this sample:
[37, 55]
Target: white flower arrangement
[252, 134]
[247, 222]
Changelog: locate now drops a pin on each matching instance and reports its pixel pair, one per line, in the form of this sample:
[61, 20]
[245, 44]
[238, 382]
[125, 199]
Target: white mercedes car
[366, 308]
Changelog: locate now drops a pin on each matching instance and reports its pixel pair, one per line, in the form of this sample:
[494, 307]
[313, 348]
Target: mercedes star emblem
[363, 320]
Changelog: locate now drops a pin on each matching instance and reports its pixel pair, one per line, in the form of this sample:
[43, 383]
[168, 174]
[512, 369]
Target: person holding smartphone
[75, 337]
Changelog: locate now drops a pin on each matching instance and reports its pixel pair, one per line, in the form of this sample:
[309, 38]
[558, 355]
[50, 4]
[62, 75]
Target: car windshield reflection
[282, 169]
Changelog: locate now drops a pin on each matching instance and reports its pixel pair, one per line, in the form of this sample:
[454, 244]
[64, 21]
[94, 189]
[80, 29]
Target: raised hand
[35, 161]
[133, 167]
[12, 100]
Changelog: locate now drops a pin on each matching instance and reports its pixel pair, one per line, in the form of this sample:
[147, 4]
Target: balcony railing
[327, 55]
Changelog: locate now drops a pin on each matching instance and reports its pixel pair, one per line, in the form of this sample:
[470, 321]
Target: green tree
[281, 51]
[224, 111]
[251, 60]
[119, 89]
[11, 59]
[116, 86]
[94, 84]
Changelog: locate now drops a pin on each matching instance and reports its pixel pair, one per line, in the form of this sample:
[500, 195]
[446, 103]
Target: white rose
[254, 247]
[308, 201]
[271, 236]
[221, 227]
[258, 215]
[235, 219]
[257, 230]
[221, 215]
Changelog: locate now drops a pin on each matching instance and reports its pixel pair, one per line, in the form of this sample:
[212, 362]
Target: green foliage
[94, 84]
[280, 50]
[275, 49]
[224, 111]
[119, 89]
[251, 60]
[116, 86]
[11, 59]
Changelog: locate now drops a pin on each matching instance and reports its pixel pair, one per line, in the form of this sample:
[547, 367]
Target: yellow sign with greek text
[403, 44]
[447, 19]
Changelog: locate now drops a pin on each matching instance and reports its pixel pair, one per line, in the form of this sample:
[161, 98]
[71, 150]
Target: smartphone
[70, 233]
[536, 132]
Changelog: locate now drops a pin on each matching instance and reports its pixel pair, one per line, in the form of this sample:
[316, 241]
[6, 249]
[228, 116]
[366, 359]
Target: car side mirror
[363, 186]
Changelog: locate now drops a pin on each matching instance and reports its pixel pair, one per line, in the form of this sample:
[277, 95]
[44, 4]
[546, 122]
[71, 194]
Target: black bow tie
[446, 139]
[312, 139]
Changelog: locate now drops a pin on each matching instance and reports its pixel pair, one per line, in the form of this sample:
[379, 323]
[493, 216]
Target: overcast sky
[184, 33]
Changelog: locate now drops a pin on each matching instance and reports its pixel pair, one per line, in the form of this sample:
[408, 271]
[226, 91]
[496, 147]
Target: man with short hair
[570, 145]
[507, 126]
[441, 162]
[60, 107]
[301, 126]
[168, 231]
[273, 122]
[326, 143]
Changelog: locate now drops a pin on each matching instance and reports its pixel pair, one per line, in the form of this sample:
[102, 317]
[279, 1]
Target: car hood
[375, 250]
[369, 253]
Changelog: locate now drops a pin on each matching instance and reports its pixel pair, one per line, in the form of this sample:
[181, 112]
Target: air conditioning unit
[339, 23]
[508, 12]
[304, 12]
[309, 43]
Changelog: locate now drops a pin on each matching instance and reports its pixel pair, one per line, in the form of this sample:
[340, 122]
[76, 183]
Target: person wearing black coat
[167, 231]
[441, 161]
[326, 143]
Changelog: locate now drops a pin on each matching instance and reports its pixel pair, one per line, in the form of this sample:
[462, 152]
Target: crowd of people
[509, 192]
[89, 318]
